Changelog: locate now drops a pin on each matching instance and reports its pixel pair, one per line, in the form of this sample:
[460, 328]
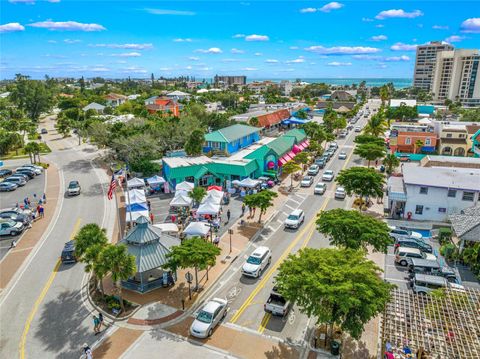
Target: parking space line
[292, 208]
[397, 280]
[291, 199]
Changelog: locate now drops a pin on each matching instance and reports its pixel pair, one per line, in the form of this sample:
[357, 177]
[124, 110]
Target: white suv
[256, 263]
[295, 219]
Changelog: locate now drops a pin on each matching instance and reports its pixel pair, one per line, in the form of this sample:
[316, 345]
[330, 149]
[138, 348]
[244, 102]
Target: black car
[17, 217]
[5, 173]
[68, 253]
[31, 174]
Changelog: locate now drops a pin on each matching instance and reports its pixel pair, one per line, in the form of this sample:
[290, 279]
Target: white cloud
[471, 25]
[308, 10]
[67, 26]
[258, 54]
[397, 58]
[134, 69]
[188, 67]
[125, 46]
[212, 50]
[11, 27]
[165, 69]
[331, 6]
[398, 13]
[194, 58]
[293, 47]
[249, 69]
[366, 19]
[379, 38]
[336, 63]
[71, 41]
[296, 61]
[366, 57]
[237, 51]
[30, 2]
[271, 61]
[54, 1]
[52, 41]
[128, 54]
[182, 40]
[403, 47]
[230, 60]
[343, 50]
[255, 37]
[454, 38]
[238, 36]
[379, 26]
[99, 69]
[169, 12]
[440, 27]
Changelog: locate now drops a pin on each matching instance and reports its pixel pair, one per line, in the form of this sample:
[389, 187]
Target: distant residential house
[466, 225]
[65, 95]
[322, 104]
[273, 119]
[114, 99]
[342, 96]
[94, 106]
[178, 95]
[231, 139]
[163, 105]
[133, 97]
[453, 140]
[473, 140]
[402, 102]
[404, 137]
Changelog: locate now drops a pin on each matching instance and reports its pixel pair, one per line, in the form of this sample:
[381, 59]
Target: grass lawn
[20, 153]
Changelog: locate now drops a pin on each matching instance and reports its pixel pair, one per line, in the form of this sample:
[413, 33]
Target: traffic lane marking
[42, 295]
[264, 322]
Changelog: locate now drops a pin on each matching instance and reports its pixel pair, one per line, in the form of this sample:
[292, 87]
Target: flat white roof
[174, 162]
[246, 151]
[398, 102]
[443, 177]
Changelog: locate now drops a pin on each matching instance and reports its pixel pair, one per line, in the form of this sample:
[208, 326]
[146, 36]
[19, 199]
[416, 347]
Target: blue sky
[261, 39]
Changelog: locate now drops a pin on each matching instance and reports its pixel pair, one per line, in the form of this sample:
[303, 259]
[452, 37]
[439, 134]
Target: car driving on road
[307, 181]
[73, 188]
[342, 155]
[340, 193]
[328, 176]
[295, 219]
[313, 170]
[256, 263]
[208, 318]
[320, 188]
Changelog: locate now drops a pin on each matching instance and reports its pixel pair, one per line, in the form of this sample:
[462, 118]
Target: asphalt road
[247, 296]
[42, 312]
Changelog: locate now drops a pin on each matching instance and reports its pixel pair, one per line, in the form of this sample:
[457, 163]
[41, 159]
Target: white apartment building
[433, 193]
[455, 77]
[425, 63]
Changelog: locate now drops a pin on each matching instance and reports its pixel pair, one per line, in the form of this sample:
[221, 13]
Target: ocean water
[371, 82]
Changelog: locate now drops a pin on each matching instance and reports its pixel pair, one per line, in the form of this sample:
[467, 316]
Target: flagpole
[128, 194]
[118, 213]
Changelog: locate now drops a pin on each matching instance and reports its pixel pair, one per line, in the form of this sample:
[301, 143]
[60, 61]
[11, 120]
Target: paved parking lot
[10, 199]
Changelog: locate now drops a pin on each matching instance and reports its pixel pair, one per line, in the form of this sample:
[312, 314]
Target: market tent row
[136, 205]
[213, 196]
[135, 183]
[184, 186]
[208, 208]
[155, 181]
[181, 200]
[247, 182]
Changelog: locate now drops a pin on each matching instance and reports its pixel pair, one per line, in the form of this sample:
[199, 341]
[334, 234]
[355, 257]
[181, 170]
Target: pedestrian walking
[243, 209]
[34, 197]
[254, 209]
[100, 318]
[87, 351]
[216, 240]
[174, 218]
[25, 201]
[44, 198]
[151, 217]
[249, 211]
[38, 209]
[228, 215]
[96, 324]
[28, 202]
[149, 205]
[42, 212]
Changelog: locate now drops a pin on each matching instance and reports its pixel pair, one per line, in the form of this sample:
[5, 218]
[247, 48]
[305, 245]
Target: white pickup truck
[276, 304]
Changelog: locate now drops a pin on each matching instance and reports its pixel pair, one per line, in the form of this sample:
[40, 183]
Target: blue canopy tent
[295, 120]
[137, 207]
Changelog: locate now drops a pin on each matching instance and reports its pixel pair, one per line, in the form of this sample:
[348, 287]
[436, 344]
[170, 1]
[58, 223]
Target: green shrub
[449, 251]
[444, 235]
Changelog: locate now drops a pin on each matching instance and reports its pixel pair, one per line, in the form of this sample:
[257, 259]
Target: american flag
[111, 189]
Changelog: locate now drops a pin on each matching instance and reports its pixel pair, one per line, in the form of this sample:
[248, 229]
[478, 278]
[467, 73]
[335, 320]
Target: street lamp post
[230, 232]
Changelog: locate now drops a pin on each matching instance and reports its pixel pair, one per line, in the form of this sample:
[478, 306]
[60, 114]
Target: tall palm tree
[384, 94]
[390, 162]
[94, 265]
[120, 264]
[376, 126]
[417, 146]
[197, 194]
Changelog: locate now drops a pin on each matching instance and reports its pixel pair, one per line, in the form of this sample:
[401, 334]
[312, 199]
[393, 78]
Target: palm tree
[417, 146]
[376, 126]
[390, 162]
[119, 264]
[33, 150]
[94, 265]
[197, 194]
[88, 236]
[253, 121]
[289, 168]
[384, 94]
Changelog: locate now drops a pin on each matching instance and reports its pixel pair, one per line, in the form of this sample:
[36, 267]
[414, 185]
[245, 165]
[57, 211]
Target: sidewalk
[116, 344]
[13, 261]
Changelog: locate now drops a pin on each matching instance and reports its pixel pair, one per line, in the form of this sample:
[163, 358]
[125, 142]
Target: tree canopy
[376, 125]
[289, 168]
[355, 230]
[369, 151]
[335, 286]
[89, 235]
[32, 96]
[365, 138]
[193, 146]
[362, 181]
[390, 162]
[262, 200]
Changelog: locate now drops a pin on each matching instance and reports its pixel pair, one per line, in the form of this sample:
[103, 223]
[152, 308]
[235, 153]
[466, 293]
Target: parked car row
[13, 221]
[18, 178]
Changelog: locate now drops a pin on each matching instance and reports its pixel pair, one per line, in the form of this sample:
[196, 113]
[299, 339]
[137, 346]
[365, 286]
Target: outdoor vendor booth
[169, 228]
[197, 229]
[184, 186]
[155, 182]
[135, 183]
[181, 200]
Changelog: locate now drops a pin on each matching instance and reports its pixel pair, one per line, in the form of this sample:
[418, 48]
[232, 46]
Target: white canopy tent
[249, 183]
[213, 196]
[208, 208]
[135, 183]
[155, 180]
[185, 186]
[181, 200]
[197, 229]
[167, 227]
[136, 196]
[132, 216]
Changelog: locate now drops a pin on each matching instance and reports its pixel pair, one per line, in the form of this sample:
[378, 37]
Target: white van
[424, 284]
[256, 263]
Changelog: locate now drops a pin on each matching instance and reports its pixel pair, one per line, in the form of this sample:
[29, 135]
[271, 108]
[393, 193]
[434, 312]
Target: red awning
[287, 158]
[301, 146]
[281, 161]
[291, 154]
[296, 149]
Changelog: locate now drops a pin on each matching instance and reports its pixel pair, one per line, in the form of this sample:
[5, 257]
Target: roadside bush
[43, 164]
[444, 235]
[449, 251]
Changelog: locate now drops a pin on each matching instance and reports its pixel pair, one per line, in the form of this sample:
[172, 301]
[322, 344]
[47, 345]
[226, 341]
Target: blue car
[8, 186]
